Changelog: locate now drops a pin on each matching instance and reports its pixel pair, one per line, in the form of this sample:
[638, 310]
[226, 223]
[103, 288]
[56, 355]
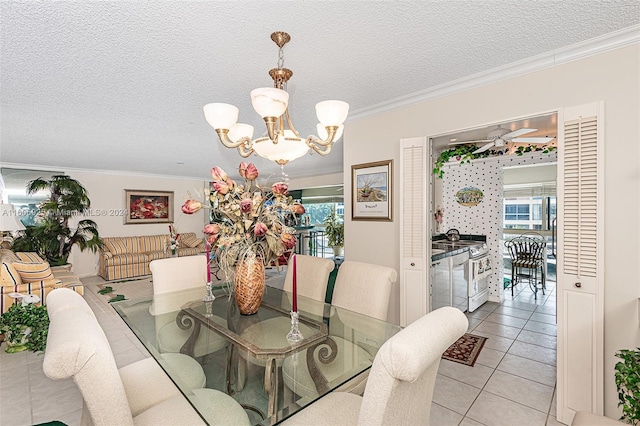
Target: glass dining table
[249, 364]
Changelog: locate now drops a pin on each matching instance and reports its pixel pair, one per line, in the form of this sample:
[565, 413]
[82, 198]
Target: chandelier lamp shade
[281, 142]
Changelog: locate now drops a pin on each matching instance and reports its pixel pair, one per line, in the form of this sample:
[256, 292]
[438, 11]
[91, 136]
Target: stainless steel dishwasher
[460, 281]
[449, 283]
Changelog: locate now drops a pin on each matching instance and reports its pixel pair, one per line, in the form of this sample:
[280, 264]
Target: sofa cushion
[153, 255]
[9, 275]
[127, 259]
[150, 243]
[30, 256]
[189, 240]
[8, 256]
[31, 272]
[115, 245]
[189, 251]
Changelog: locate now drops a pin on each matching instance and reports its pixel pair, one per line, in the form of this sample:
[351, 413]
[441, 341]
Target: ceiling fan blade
[532, 140]
[466, 142]
[483, 148]
[517, 133]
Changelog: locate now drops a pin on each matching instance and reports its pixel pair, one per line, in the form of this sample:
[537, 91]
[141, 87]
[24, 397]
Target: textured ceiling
[120, 85]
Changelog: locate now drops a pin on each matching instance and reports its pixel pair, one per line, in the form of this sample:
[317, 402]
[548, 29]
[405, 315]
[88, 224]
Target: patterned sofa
[28, 273]
[127, 257]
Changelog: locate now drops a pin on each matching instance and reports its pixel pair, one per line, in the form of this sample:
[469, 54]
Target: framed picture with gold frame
[148, 206]
[371, 191]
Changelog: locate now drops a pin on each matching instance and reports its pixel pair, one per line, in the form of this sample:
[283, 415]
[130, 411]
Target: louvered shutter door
[580, 261]
[414, 293]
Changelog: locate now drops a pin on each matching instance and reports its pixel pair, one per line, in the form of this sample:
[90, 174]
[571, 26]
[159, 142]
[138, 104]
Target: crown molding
[595, 46]
[67, 170]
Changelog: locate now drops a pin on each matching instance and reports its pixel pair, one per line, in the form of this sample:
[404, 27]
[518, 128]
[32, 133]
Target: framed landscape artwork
[371, 197]
[148, 206]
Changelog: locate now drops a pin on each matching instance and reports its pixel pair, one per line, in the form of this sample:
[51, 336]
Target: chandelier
[281, 142]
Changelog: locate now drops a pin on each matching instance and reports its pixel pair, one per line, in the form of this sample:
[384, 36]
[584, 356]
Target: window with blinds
[580, 197]
[413, 200]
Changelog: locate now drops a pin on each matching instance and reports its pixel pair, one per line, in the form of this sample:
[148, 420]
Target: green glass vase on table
[251, 232]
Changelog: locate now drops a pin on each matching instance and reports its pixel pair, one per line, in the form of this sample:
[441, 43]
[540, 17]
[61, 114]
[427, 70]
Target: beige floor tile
[478, 314]
[546, 318]
[494, 342]
[12, 362]
[506, 320]
[475, 376]
[489, 357]
[498, 329]
[539, 339]
[554, 402]
[454, 395]
[473, 323]
[520, 305]
[441, 416]
[513, 312]
[521, 390]
[552, 421]
[534, 352]
[15, 415]
[532, 370]
[493, 410]
[470, 422]
[540, 327]
[549, 309]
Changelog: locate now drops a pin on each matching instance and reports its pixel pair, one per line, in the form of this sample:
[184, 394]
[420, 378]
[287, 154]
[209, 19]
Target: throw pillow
[9, 275]
[31, 272]
[190, 240]
[116, 245]
[29, 256]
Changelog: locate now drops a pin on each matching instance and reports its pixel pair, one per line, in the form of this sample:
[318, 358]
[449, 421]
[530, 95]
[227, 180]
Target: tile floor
[512, 383]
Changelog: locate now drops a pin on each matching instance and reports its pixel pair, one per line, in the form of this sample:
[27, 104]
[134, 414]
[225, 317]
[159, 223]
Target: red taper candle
[295, 286]
[208, 267]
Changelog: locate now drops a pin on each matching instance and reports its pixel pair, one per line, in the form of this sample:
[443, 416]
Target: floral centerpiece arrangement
[251, 232]
[172, 245]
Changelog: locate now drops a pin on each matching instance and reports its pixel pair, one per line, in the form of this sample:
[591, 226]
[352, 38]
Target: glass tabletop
[249, 357]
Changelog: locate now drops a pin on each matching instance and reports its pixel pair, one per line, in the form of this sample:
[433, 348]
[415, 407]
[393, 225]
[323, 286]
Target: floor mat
[465, 350]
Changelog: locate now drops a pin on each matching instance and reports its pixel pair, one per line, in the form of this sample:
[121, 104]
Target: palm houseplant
[334, 228]
[52, 236]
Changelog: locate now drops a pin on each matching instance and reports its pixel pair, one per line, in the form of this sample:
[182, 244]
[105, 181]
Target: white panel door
[580, 261]
[414, 294]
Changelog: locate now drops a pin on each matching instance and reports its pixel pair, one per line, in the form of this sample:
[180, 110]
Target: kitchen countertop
[442, 248]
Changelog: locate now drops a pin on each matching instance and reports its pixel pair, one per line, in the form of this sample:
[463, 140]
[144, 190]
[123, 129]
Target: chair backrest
[526, 248]
[78, 348]
[313, 276]
[178, 273]
[400, 386]
[364, 288]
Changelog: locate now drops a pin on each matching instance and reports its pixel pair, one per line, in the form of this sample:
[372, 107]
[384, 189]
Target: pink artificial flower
[232, 183]
[246, 205]
[251, 172]
[191, 206]
[260, 229]
[288, 240]
[242, 169]
[218, 174]
[212, 229]
[212, 238]
[280, 188]
[220, 187]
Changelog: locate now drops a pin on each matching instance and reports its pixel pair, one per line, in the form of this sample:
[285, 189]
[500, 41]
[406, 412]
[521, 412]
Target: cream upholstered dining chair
[402, 378]
[360, 287]
[174, 274]
[139, 393]
[312, 278]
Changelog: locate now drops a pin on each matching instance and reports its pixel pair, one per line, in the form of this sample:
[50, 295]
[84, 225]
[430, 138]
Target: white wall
[612, 77]
[106, 191]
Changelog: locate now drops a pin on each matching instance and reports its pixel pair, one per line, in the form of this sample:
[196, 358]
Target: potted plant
[334, 228]
[627, 378]
[52, 237]
[25, 327]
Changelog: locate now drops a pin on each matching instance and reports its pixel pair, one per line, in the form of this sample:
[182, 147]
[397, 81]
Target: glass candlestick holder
[209, 297]
[294, 334]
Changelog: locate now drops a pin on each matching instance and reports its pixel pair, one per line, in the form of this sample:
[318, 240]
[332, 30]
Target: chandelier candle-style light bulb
[282, 142]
